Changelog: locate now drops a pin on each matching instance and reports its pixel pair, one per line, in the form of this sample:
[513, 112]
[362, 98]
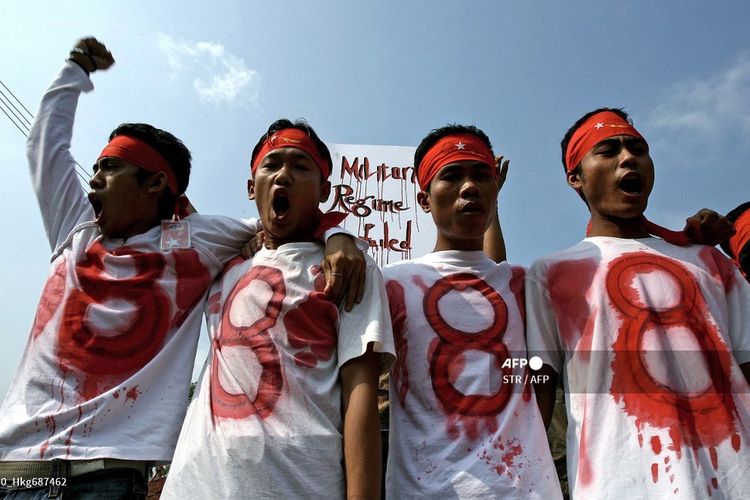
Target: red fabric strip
[450, 149]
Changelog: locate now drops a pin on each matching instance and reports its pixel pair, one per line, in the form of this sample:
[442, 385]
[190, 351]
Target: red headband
[292, 138]
[741, 238]
[596, 128]
[450, 149]
[141, 155]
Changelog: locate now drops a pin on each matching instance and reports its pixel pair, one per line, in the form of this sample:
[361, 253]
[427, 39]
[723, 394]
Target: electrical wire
[22, 118]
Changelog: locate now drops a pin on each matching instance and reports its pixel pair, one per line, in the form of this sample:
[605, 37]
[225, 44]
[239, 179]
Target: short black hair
[569, 134]
[732, 216]
[174, 152]
[284, 123]
[436, 134]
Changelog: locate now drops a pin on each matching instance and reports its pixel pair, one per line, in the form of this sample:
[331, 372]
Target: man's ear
[574, 179]
[250, 189]
[423, 198]
[325, 191]
[156, 183]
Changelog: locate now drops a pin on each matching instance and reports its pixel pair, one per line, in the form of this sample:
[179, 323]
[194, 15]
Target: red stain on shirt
[656, 444]
[255, 336]
[51, 425]
[585, 473]
[473, 410]
[699, 420]
[714, 457]
[192, 278]
[569, 283]
[213, 305]
[501, 457]
[236, 261]
[132, 393]
[52, 295]
[720, 267]
[313, 325]
[514, 451]
[81, 345]
[397, 305]
[517, 287]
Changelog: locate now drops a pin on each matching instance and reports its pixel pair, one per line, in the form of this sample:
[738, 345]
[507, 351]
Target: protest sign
[377, 186]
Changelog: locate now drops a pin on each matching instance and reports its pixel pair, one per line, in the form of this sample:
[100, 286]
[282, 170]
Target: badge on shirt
[175, 234]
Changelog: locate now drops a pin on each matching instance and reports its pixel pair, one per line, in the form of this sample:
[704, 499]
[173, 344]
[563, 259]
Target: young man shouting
[463, 421]
[651, 337]
[287, 403]
[101, 387]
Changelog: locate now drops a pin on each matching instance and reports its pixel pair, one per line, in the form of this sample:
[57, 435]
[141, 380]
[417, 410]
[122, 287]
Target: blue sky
[386, 73]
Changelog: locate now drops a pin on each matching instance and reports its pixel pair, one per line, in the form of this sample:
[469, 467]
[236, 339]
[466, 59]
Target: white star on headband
[460, 145]
[599, 125]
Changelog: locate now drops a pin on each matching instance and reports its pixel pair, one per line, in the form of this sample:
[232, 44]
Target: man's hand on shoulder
[708, 228]
[345, 268]
[91, 55]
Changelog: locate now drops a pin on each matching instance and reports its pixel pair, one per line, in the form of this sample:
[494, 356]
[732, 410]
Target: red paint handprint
[312, 326]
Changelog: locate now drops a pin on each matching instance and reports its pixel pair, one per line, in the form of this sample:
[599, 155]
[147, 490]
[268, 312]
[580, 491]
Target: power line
[16, 111]
[9, 110]
[23, 124]
[17, 100]
[24, 132]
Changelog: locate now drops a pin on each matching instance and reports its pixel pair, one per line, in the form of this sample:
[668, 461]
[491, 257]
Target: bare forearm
[361, 427]
[494, 243]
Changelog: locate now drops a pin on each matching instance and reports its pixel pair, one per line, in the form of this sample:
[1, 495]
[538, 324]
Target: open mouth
[96, 204]
[280, 204]
[631, 184]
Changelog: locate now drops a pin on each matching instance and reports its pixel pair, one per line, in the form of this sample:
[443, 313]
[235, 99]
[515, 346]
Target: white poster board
[377, 186]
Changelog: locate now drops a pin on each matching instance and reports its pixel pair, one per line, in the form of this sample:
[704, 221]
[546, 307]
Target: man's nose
[626, 157]
[96, 180]
[283, 175]
[469, 187]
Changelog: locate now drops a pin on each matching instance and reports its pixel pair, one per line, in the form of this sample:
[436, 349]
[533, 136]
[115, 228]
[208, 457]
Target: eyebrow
[630, 140]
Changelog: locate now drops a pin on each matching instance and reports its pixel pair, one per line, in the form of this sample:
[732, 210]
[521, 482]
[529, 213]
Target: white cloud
[218, 75]
[713, 111]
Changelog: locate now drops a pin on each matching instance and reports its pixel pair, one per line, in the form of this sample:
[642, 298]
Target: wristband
[78, 50]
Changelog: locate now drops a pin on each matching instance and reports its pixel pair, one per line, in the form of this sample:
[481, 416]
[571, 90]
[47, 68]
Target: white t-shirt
[461, 425]
[107, 366]
[648, 337]
[266, 420]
